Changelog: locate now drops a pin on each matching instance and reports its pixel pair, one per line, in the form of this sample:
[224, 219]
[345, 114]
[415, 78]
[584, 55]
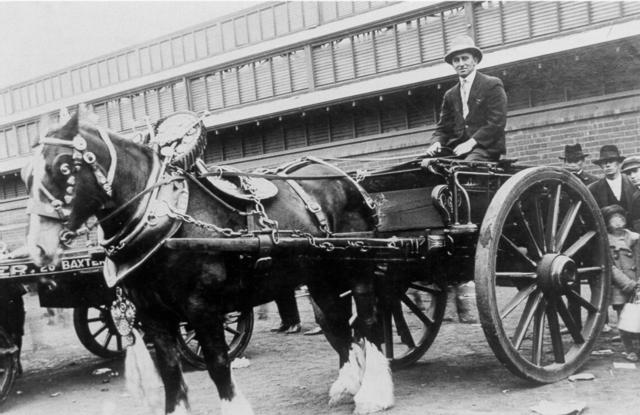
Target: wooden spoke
[97, 333]
[552, 219]
[574, 308]
[95, 319]
[538, 335]
[588, 272]
[524, 224]
[538, 226]
[232, 331]
[583, 302]
[514, 248]
[579, 244]
[416, 310]
[401, 325]
[516, 300]
[508, 278]
[554, 331]
[569, 322]
[107, 340]
[533, 302]
[567, 224]
[425, 289]
[119, 342]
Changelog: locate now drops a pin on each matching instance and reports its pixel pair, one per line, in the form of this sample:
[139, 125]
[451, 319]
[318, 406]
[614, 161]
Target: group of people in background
[618, 196]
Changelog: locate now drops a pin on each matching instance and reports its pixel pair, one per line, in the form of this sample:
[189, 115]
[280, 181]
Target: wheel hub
[556, 272]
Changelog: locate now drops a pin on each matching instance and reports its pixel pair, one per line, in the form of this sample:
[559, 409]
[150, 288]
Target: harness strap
[312, 206]
[111, 174]
[371, 204]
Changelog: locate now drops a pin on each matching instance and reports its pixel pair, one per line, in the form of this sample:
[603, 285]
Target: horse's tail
[143, 380]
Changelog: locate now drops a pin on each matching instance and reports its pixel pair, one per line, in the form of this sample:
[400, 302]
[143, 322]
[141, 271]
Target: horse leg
[332, 315]
[209, 328]
[164, 334]
[376, 390]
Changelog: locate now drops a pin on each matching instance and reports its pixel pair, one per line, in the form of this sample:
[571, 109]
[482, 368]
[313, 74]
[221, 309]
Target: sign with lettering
[23, 267]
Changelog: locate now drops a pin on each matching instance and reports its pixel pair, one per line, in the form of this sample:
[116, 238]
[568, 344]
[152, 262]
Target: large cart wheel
[542, 274]
[97, 332]
[238, 329]
[8, 364]
[411, 317]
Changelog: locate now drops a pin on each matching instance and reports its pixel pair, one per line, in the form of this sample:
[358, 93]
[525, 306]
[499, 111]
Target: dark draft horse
[200, 287]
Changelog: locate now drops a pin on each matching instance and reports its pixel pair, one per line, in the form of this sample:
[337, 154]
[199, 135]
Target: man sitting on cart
[474, 111]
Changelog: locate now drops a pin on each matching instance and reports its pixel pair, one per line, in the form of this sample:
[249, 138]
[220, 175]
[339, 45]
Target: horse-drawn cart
[532, 239]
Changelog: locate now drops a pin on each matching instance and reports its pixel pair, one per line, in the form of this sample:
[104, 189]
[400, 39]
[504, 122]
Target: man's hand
[433, 149]
[465, 147]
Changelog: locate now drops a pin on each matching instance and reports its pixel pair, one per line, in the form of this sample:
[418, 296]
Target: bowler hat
[611, 210]
[630, 163]
[463, 44]
[609, 152]
[573, 152]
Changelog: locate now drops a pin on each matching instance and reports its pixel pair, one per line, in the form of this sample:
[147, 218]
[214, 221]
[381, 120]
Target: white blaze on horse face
[43, 236]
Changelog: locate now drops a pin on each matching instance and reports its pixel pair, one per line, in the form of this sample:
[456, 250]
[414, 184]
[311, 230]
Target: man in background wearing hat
[614, 188]
[631, 167]
[474, 111]
[574, 162]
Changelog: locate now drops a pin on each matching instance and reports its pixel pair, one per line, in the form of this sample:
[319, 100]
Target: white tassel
[143, 380]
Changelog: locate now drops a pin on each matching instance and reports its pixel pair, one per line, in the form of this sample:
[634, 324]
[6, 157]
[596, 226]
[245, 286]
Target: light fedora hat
[460, 44]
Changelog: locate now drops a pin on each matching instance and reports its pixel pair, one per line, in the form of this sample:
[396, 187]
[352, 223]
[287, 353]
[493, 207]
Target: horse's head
[67, 183]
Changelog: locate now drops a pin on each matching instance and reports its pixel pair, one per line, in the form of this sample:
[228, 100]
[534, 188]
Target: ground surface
[291, 374]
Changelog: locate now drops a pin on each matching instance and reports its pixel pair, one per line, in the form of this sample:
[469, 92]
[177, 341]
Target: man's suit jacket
[485, 121]
[604, 196]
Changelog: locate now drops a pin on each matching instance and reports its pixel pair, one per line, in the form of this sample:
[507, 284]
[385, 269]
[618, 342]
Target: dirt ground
[291, 374]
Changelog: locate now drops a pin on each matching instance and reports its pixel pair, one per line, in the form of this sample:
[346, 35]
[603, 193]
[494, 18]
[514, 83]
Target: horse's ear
[70, 128]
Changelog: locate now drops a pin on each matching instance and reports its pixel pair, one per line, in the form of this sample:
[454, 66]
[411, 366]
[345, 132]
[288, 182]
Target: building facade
[358, 80]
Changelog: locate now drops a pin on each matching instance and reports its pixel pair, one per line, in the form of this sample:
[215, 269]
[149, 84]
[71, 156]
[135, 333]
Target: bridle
[60, 210]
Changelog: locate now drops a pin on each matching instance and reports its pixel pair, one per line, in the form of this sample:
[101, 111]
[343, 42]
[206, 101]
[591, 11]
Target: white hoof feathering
[180, 409]
[349, 377]
[376, 392]
[142, 378]
[239, 405]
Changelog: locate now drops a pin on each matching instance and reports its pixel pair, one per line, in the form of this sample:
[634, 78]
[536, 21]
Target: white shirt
[465, 88]
[616, 186]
